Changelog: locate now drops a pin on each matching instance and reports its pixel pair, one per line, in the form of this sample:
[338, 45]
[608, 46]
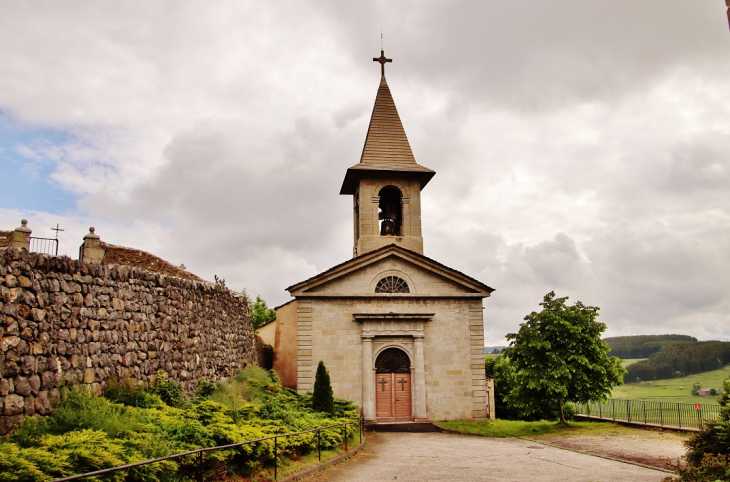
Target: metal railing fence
[663, 414]
[43, 245]
[200, 474]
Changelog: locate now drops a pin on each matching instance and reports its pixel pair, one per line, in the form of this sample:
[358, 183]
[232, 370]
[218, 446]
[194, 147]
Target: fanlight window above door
[392, 284]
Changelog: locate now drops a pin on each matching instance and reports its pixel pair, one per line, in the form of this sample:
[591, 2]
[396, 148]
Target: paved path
[440, 456]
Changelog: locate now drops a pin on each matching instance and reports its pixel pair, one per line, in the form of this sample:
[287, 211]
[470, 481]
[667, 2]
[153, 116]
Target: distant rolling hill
[642, 346]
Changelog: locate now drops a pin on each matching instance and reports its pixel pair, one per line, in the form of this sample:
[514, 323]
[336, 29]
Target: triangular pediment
[359, 276]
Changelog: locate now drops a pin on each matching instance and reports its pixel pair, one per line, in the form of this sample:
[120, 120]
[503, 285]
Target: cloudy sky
[580, 146]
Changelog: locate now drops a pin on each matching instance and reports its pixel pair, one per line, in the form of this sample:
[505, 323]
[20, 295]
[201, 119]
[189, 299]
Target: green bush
[131, 393]
[569, 410]
[708, 451]
[170, 391]
[205, 388]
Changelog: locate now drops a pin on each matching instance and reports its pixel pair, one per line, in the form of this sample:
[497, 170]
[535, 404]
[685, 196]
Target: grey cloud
[579, 146]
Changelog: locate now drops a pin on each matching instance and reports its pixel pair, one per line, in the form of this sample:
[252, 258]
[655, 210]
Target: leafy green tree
[322, 398]
[260, 312]
[558, 356]
[503, 372]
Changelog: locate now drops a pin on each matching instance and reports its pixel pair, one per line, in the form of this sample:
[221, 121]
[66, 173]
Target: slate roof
[386, 145]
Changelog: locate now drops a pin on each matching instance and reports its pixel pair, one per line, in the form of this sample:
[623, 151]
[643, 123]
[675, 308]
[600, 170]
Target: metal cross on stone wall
[382, 61]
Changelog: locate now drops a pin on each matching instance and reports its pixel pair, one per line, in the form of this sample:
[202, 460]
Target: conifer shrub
[322, 398]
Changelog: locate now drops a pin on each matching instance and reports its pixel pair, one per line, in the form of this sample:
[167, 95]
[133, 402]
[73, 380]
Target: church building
[401, 334]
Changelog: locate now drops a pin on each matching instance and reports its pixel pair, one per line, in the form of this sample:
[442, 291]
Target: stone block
[35, 383]
[9, 342]
[43, 404]
[7, 424]
[14, 405]
[22, 387]
[29, 409]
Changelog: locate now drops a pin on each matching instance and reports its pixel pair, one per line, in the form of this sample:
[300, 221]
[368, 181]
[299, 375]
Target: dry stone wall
[63, 321]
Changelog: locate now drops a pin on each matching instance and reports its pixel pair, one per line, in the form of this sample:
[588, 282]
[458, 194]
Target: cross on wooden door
[383, 383]
[403, 383]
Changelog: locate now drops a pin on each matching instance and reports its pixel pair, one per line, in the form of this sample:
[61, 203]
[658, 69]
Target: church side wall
[285, 346]
[66, 321]
[455, 383]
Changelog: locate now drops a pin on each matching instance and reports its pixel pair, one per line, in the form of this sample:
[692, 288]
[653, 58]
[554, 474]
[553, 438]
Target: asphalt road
[440, 456]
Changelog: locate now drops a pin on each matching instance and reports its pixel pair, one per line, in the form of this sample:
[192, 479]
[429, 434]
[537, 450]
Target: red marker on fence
[698, 406]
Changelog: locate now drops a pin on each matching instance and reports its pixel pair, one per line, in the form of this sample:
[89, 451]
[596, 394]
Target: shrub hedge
[131, 423]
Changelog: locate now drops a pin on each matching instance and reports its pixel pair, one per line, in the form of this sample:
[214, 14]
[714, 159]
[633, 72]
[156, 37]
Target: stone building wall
[66, 321]
[453, 350]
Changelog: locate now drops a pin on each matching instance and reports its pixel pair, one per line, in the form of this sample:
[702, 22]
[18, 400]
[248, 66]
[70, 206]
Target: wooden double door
[393, 386]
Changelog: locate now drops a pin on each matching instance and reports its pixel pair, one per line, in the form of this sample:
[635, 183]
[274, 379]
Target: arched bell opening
[393, 385]
[390, 211]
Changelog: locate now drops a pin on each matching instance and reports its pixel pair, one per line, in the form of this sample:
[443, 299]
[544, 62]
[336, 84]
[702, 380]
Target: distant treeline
[642, 346]
[679, 359]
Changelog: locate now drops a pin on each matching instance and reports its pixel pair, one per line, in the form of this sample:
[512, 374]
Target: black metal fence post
[628, 410]
[644, 404]
[679, 415]
[200, 467]
[661, 414]
[319, 446]
[276, 460]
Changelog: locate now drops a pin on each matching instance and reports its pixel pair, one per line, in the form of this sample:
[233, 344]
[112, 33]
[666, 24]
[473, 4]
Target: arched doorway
[393, 385]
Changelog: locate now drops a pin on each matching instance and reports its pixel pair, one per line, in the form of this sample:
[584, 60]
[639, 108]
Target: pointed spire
[386, 145]
[386, 140]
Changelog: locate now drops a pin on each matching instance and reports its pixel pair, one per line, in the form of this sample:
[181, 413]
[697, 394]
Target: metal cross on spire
[382, 61]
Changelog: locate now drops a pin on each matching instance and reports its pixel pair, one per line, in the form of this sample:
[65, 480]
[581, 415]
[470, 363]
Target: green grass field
[676, 390]
[628, 361]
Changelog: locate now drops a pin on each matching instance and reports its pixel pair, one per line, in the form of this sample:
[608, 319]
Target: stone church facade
[401, 334]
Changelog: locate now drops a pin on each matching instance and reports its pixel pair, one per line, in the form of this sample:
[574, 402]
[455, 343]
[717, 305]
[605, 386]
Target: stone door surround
[393, 326]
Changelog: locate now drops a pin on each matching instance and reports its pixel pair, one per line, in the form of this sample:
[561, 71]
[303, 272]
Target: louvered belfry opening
[393, 385]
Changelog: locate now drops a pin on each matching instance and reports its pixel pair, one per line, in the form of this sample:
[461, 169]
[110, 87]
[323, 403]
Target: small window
[392, 284]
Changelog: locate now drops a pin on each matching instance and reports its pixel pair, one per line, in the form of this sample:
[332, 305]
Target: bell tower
[386, 184]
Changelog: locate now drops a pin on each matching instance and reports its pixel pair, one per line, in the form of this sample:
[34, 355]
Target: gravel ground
[447, 457]
[650, 447]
